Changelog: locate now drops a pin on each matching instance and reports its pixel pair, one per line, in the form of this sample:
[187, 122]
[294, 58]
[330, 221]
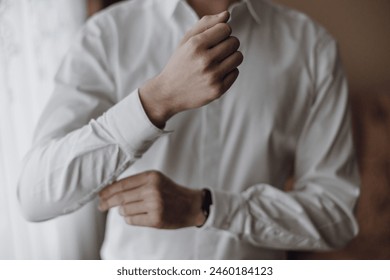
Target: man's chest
[271, 96]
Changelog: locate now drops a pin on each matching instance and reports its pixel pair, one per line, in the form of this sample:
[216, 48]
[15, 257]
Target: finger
[138, 220]
[230, 79]
[121, 198]
[123, 185]
[224, 49]
[205, 23]
[214, 35]
[134, 208]
[230, 63]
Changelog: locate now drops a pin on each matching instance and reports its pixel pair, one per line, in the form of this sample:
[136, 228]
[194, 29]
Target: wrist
[197, 217]
[152, 99]
[207, 201]
[202, 204]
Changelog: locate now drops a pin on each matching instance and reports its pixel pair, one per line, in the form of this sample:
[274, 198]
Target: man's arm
[84, 141]
[317, 214]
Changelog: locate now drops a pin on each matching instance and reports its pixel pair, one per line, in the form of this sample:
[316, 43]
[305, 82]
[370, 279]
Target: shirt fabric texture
[287, 114]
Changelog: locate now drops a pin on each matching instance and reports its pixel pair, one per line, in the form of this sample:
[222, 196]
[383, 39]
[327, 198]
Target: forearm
[301, 220]
[73, 168]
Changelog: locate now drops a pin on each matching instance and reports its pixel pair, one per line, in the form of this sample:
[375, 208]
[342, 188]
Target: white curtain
[34, 35]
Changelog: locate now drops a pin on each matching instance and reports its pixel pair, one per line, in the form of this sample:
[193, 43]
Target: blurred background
[34, 35]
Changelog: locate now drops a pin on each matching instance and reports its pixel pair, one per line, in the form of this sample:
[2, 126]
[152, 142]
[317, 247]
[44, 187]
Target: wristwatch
[206, 202]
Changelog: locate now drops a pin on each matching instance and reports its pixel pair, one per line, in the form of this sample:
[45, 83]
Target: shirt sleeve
[318, 213]
[83, 141]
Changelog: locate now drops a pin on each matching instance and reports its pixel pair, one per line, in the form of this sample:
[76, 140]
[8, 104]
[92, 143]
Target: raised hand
[203, 67]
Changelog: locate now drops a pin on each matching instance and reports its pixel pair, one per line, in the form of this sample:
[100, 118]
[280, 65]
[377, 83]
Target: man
[189, 156]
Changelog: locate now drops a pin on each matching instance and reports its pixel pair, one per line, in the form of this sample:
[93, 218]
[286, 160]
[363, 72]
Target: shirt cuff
[128, 124]
[226, 212]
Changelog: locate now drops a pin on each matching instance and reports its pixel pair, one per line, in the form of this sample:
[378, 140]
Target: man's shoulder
[297, 22]
[128, 7]
[125, 12]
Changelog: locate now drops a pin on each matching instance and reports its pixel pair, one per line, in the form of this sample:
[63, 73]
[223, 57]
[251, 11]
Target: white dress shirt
[285, 115]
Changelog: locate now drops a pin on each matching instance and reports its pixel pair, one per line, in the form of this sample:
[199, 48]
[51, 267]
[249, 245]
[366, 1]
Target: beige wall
[362, 28]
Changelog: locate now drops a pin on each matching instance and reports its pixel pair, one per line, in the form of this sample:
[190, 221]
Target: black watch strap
[206, 202]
